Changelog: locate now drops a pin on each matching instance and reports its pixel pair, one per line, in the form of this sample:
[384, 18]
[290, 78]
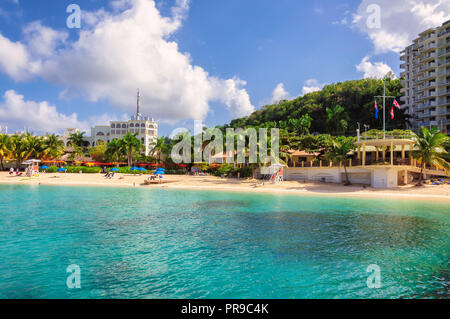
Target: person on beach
[11, 171]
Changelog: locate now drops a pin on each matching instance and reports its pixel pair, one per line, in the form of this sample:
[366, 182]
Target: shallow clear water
[142, 243]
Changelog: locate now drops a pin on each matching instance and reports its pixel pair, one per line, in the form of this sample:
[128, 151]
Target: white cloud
[373, 70]
[121, 51]
[15, 60]
[42, 117]
[42, 41]
[401, 21]
[279, 94]
[312, 85]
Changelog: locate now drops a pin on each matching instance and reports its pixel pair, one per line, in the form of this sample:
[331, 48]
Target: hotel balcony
[444, 63]
[426, 105]
[441, 34]
[428, 57]
[443, 54]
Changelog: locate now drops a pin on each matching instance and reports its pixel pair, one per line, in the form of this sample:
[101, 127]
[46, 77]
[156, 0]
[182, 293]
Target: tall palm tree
[19, 149]
[115, 149]
[77, 139]
[4, 148]
[53, 146]
[337, 120]
[35, 145]
[339, 152]
[160, 148]
[76, 153]
[430, 146]
[131, 145]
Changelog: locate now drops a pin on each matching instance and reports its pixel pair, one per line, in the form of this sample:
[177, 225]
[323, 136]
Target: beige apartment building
[426, 65]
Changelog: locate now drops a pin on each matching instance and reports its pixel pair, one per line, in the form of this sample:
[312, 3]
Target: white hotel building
[426, 74]
[145, 127]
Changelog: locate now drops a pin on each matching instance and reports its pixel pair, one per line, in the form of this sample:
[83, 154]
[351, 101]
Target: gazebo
[393, 145]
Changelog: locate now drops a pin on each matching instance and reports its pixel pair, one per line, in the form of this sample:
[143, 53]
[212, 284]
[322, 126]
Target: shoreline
[209, 183]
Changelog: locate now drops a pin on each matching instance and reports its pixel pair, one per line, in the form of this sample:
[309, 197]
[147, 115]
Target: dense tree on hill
[355, 97]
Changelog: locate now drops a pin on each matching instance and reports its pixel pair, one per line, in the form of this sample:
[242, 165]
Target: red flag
[396, 104]
[392, 113]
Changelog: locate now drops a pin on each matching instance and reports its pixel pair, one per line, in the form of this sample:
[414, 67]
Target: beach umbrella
[115, 169]
[62, 169]
[134, 168]
[159, 173]
[161, 169]
[142, 169]
[44, 167]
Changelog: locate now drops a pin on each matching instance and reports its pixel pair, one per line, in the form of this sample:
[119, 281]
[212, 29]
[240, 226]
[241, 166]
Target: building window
[124, 132]
[131, 125]
[113, 126]
[143, 125]
[124, 126]
[100, 134]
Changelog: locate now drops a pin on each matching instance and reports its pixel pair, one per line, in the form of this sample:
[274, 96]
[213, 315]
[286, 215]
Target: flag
[396, 104]
[376, 110]
[392, 113]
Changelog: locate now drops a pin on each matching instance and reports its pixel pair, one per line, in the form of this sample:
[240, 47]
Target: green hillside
[335, 110]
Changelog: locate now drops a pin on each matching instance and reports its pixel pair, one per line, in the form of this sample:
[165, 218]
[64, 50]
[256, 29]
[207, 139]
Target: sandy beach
[427, 192]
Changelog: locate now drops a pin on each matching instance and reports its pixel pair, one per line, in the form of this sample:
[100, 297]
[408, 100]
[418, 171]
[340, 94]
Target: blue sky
[238, 53]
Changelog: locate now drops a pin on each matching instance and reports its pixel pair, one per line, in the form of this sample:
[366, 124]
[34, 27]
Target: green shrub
[51, 169]
[127, 170]
[246, 172]
[83, 169]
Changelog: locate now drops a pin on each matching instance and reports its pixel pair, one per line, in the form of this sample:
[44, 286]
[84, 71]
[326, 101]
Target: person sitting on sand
[11, 171]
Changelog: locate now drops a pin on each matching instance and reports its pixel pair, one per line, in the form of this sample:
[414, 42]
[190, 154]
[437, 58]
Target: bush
[127, 170]
[51, 169]
[223, 169]
[83, 169]
[245, 172]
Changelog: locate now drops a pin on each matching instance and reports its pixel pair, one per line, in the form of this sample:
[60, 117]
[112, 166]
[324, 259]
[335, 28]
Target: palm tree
[76, 153]
[19, 149]
[114, 149]
[35, 145]
[4, 148]
[53, 146]
[77, 139]
[131, 145]
[339, 151]
[337, 120]
[430, 146]
[159, 148]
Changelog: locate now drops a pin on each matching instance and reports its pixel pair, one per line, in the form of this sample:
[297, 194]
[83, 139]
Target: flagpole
[384, 108]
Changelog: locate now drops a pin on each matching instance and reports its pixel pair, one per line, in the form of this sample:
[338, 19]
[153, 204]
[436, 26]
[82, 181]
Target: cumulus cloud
[42, 117]
[15, 60]
[279, 94]
[120, 51]
[312, 85]
[373, 70]
[400, 21]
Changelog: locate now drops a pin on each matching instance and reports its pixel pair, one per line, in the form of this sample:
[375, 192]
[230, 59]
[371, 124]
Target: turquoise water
[143, 243]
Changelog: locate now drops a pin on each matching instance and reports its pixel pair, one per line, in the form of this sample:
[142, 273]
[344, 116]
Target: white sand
[426, 192]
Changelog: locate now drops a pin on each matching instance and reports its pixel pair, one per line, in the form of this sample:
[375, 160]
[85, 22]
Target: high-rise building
[145, 127]
[426, 74]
